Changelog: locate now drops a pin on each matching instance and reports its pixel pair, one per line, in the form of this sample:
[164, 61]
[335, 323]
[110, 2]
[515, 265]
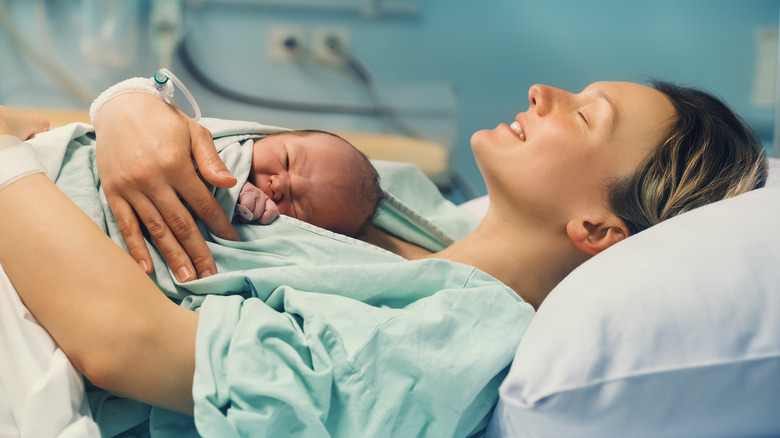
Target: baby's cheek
[284, 208]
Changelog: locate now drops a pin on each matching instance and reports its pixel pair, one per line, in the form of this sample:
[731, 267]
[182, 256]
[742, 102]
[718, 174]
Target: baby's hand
[17, 124]
[255, 205]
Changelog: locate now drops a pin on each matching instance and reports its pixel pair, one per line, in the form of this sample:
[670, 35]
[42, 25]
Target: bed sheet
[41, 393]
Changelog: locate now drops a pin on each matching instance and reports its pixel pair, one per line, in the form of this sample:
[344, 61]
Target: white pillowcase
[673, 332]
[477, 206]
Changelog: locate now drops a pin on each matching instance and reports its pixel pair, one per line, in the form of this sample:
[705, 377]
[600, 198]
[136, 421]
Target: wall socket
[329, 45]
[286, 42]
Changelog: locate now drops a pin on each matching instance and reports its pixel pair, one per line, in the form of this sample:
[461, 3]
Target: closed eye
[584, 119]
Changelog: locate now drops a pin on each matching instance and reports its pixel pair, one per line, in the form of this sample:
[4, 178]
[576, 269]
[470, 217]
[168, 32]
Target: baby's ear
[593, 236]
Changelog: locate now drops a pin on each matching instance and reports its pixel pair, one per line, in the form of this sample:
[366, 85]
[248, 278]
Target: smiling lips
[518, 130]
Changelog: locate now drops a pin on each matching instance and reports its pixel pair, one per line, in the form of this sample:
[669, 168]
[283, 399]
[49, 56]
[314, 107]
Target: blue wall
[484, 53]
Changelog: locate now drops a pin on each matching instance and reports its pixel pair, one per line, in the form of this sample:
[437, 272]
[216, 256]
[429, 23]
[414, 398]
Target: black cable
[391, 115]
[287, 104]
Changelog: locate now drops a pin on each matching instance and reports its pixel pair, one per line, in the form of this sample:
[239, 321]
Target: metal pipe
[367, 8]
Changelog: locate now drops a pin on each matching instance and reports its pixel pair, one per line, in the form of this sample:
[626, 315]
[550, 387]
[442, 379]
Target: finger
[128, 225]
[270, 213]
[188, 235]
[37, 123]
[167, 242]
[22, 124]
[244, 206]
[257, 199]
[205, 206]
[209, 163]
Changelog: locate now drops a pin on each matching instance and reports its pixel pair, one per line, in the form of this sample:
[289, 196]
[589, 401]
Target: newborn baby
[314, 176]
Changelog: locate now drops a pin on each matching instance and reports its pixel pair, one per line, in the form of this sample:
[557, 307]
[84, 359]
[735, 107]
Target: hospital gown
[309, 333]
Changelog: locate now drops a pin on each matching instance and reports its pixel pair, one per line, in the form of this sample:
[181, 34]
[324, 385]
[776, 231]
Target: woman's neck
[530, 261]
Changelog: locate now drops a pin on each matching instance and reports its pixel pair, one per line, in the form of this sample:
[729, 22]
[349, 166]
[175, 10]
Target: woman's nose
[542, 98]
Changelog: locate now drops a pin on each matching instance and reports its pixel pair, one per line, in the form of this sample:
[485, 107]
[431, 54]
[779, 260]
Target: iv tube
[161, 77]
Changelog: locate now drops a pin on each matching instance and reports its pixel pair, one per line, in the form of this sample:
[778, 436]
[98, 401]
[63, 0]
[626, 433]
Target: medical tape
[132, 85]
[17, 160]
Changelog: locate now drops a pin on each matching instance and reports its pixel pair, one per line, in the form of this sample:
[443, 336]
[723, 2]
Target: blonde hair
[708, 154]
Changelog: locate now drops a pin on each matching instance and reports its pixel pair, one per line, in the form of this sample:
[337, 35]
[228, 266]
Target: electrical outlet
[285, 42]
[330, 45]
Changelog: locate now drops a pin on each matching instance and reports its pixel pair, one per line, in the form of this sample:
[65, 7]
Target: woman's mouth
[518, 129]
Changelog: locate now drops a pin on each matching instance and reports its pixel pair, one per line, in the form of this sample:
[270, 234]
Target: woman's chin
[478, 138]
[481, 144]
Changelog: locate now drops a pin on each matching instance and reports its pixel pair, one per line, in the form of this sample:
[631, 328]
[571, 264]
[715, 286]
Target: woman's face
[560, 156]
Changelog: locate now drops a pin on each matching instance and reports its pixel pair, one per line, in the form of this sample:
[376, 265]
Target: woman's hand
[18, 125]
[145, 152]
[255, 205]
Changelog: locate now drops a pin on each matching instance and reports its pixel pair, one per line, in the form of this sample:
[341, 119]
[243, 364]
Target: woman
[567, 179]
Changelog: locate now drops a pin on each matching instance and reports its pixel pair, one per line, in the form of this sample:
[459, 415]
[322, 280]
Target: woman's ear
[592, 237]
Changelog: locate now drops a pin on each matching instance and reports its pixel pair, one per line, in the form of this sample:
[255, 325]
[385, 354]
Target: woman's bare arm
[119, 330]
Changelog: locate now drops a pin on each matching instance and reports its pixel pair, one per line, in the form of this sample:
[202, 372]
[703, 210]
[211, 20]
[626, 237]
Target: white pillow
[673, 332]
[477, 206]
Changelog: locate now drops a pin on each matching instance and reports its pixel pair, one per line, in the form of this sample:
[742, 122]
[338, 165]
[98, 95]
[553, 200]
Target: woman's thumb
[210, 165]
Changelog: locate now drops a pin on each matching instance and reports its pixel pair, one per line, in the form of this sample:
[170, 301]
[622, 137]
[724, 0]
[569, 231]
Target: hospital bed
[674, 332]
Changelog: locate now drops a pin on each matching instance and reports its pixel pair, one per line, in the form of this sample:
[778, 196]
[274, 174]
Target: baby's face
[309, 178]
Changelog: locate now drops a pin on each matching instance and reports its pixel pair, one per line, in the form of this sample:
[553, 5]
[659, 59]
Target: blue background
[466, 65]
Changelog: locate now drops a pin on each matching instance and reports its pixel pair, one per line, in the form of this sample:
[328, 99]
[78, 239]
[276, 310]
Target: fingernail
[225, 173]
[206, 273]
[144, 265]
[183, 274]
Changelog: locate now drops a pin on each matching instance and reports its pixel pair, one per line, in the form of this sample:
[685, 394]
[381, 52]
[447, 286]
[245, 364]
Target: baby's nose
[279, 186]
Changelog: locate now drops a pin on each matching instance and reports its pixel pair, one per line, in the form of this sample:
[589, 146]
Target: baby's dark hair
[368, 192]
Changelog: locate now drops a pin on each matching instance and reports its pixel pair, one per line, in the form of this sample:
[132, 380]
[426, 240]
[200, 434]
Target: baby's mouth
[518, 130]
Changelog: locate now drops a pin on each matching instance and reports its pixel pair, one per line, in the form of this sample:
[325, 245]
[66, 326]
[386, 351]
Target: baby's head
[317, 177]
